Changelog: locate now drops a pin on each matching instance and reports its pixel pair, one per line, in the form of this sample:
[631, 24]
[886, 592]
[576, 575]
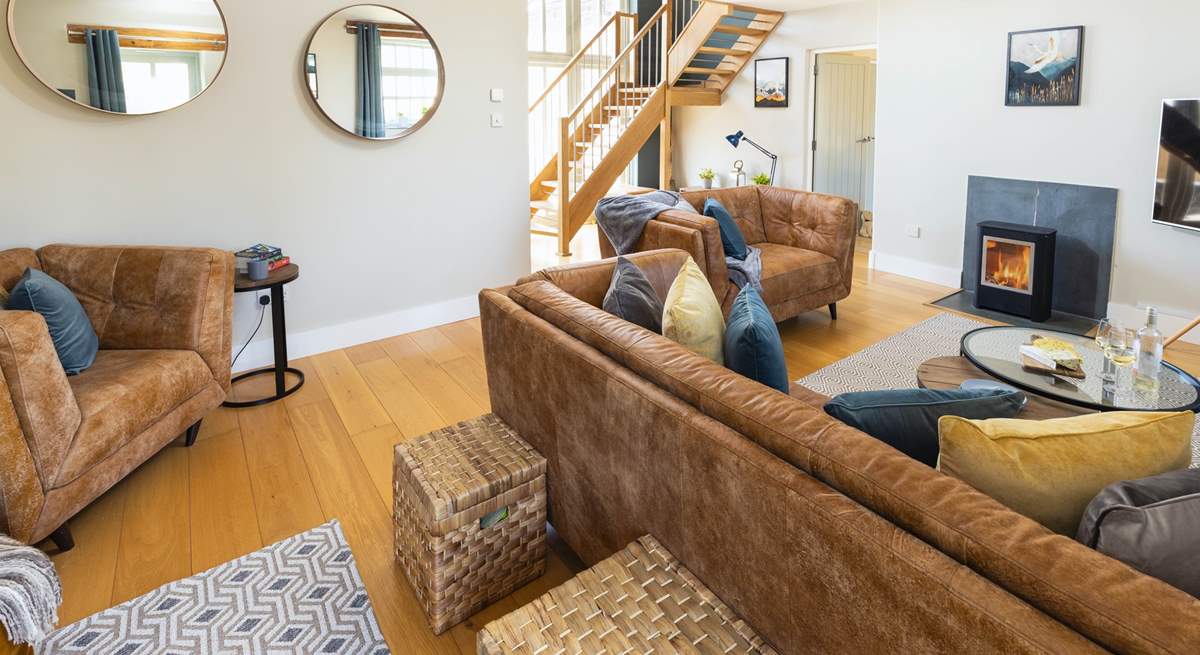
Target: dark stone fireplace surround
[1085, 218]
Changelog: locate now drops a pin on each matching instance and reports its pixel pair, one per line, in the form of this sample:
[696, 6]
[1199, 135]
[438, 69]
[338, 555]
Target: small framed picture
[771, 82]
[1045, 67]
[310, 72]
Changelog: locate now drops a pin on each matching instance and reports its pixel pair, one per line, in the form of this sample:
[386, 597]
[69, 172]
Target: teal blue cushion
[907, 419]
[70, 330]
[752, 344]
[732, 240]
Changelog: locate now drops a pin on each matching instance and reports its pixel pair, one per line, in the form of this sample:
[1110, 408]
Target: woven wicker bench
[470, 515]
[640, 600]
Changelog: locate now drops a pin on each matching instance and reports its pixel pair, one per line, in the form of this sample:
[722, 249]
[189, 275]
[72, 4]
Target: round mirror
[374, 72]
[121, 56]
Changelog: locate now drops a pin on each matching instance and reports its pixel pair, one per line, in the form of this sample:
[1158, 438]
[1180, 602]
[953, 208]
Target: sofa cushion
[752, 344]
[907, 419]
[732, 241]
[692, 316]
[123, 393]
[1049, 470]
[13, 264]
[75, 340]
[743, 204]
[789, 272]
[1151, 524]
[632, 297]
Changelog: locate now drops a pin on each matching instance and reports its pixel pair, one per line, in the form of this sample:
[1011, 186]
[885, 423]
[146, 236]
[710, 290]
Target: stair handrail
[619, 60]
[579, 55]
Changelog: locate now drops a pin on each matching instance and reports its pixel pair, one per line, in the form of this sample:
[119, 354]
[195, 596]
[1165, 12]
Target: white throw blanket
[30, 592]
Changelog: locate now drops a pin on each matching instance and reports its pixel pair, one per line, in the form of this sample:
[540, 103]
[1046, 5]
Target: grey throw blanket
[30, 592]
[746, 271]
[624, 218]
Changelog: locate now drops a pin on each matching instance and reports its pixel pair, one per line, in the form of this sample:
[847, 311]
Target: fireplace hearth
[1016, 269]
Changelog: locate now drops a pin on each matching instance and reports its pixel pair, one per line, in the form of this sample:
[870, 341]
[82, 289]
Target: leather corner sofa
[163, 317]
[823, 538]
[807, 243]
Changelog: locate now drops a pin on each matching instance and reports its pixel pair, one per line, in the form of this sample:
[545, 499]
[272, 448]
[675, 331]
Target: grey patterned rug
[301, 595]
[892, 363]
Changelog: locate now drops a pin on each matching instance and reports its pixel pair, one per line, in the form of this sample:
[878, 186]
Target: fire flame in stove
[1008, 264]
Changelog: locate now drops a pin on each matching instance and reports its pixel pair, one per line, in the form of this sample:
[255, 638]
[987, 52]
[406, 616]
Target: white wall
[941, 117]
[389, 236]
[699, 131]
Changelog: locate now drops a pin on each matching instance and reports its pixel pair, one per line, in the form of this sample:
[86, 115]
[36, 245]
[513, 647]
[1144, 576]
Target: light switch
[497, 120]
[497, 95]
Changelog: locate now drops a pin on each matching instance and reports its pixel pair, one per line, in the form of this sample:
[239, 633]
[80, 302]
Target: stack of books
[262, 252]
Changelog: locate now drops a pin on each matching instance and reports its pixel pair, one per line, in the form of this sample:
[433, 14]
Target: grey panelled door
[844, 134]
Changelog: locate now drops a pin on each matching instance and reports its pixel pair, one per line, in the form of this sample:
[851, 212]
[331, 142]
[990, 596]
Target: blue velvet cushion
[631, 297]
[74, 339]
[752, 344]
[732, 240]
[907, 419]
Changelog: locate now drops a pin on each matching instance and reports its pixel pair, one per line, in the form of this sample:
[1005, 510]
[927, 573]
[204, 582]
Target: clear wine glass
[1102, 333]
[1119, 350]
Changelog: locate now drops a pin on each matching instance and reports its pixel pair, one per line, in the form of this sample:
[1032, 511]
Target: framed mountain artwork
[771, 82]
[1045, 67]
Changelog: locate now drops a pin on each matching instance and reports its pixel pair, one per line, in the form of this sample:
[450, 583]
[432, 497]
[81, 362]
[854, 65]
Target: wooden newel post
[566, 154]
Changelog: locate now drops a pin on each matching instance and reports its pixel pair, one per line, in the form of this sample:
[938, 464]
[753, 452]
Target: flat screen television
[1177, 184]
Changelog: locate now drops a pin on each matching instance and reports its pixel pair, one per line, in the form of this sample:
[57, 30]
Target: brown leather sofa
[807, 243]
[163, 318]
[824, 539]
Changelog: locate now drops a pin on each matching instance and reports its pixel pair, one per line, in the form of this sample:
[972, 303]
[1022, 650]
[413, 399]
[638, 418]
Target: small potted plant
[762, 179]
[707, 175]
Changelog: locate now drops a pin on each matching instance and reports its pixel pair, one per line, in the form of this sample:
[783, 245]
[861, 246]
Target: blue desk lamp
[736, 139]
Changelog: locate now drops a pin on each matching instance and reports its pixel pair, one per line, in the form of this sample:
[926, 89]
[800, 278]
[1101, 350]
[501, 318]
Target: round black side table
[275, 281]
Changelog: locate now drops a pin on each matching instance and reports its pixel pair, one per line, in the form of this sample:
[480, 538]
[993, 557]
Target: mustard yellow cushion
[692, 316]
[1050, 470]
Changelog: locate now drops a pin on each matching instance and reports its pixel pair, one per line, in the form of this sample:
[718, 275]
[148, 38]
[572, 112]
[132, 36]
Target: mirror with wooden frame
[121, 56]
[374, 72]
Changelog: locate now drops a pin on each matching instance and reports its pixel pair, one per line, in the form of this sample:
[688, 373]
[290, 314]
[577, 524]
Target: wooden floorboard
[263, 474]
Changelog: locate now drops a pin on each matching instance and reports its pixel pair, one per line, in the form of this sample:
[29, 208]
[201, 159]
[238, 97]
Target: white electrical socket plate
[913, 231]
[497, 120]
[497, 95]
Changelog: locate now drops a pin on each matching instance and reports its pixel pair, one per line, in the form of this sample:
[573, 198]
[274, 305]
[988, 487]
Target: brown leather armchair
[807, 243]
[163, 318]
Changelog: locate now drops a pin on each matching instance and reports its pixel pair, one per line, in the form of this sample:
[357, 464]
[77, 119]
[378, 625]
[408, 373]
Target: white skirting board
[943, 275]
[1170, 319]
[261, 352]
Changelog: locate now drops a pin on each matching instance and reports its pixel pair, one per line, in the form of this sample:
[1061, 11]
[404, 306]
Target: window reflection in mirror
[121, 56]
[374, 72]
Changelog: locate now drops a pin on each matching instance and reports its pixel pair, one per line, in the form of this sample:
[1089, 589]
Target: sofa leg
[63, 539]
[192, 433]
[833, 310]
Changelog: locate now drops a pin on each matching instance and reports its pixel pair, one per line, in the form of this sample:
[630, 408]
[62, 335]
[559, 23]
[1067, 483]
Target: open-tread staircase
[626, 79]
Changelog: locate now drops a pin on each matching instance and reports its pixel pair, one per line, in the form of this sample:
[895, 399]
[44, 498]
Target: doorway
[842, 124]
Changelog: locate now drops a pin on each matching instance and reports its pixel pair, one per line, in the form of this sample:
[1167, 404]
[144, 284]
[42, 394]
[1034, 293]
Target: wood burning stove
[1016, 269]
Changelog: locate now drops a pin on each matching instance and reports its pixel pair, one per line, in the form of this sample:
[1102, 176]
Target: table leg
[279, 337]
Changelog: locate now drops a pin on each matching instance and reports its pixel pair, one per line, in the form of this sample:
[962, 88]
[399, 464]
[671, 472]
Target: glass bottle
[1149, 350]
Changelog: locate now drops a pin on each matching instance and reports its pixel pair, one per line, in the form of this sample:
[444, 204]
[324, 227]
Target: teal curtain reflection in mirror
[106, 83]
[370, 121]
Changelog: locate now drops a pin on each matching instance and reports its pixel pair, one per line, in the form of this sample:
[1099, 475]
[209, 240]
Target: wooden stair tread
[728, 52]
[737, 29]
[708, 71]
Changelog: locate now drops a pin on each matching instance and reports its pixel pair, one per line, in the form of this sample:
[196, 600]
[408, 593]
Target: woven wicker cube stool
[640, 600]
[470, 517]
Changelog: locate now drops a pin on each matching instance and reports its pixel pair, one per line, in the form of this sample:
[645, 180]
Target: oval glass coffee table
[996, 351]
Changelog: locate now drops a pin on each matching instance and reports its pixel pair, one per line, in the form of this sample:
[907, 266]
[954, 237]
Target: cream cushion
[692, 316]
[1050, 470]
